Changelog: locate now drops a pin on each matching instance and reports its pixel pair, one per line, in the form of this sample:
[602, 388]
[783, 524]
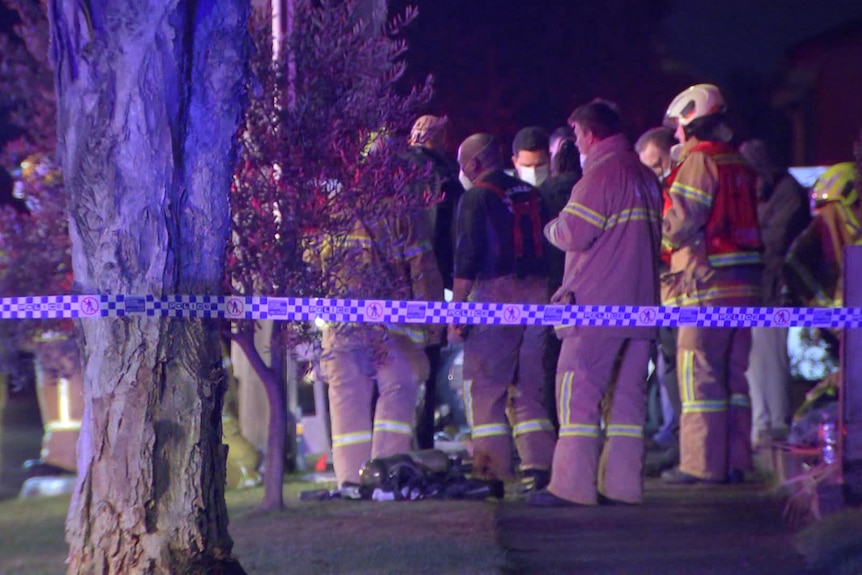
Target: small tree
[323, 147]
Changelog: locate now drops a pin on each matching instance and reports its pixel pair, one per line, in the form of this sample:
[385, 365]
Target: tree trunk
[272, 378]
[149, 100]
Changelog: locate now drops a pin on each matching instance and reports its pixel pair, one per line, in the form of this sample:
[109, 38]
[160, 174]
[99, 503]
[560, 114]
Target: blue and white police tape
[385, 311]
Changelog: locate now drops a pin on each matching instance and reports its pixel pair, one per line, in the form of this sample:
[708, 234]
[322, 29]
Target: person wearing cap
[499, 257]
[716, 259]
[610, 230]
[427, 143]
[783, 213]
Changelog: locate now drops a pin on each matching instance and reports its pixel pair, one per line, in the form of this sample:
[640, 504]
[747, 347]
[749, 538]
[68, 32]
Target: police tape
[388, 311]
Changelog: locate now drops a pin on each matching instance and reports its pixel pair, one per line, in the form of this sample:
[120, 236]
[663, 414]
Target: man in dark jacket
[783, 213]
[498, 258]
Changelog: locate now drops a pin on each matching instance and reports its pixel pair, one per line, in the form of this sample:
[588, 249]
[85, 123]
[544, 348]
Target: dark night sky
[638, 53]
[500, 64]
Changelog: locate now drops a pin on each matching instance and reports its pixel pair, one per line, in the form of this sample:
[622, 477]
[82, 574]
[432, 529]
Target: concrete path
[699, 530]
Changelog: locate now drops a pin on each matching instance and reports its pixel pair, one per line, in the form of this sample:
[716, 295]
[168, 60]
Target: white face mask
[534, 175]
[465, 181]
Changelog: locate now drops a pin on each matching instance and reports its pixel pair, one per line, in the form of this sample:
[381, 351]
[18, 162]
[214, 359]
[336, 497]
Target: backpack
[525, 204]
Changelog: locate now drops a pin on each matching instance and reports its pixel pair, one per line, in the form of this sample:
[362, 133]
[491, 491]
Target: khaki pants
[769, 380]
[351, 371]
[591, 365]
[715, 425]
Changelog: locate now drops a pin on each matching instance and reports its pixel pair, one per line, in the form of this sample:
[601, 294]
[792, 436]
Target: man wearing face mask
[654, 148]
[531, 155]
[500, 257]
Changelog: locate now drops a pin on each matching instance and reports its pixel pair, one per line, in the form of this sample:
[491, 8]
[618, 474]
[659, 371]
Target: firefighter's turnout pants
[594, 363]
[351, 369]
[503, 379]
[715, 425]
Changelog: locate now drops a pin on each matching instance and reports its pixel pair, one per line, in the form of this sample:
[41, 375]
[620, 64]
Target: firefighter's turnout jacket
[392, 259]
[610, 231]
[710, 228]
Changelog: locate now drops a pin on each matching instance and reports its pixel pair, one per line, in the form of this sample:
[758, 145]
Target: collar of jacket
[602, 148]
[687, 148]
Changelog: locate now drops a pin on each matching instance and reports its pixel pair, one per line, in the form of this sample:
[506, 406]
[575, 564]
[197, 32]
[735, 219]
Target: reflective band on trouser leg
[350, 451]
[577, 430]
[740, 401]
[491, 430]
[347, 439]
[564, 398]
[468, 401]
[532, 426]
[636, 431]
[709, 406]
[400, 427]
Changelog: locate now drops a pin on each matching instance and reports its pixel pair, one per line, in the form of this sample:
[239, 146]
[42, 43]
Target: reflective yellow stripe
[740, 400]
[691, 193]
[735, 259]
[491, 430]
[418, 249]
[586, 214]
[345, 439]
[579, 430]
[687, 375]
[531, 426]
[701, 297]
[418, 335]
[468, 401]
[566, 397]
[631, 215]
[621, 430]
[393, 426]
[63, 426]
[709, 406]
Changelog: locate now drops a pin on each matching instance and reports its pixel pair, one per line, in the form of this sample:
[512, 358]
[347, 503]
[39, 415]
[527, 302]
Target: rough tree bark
[149, 99]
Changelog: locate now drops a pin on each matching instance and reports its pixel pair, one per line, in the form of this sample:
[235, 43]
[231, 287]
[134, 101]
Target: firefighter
[499, 258]
[610, 232]
[711, 230]
[813, 267]
[355, 358]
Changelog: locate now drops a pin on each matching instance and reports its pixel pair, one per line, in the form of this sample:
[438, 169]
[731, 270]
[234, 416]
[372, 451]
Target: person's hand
[453, 333]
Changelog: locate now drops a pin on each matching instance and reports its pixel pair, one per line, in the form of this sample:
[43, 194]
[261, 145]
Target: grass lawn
[433, 537]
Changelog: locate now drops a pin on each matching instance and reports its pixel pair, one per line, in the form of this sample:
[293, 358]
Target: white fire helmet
[692, 103]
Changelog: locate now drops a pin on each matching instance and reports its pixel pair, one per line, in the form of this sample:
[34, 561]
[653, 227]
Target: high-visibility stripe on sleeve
[392, 426]
[531, 426]
[631, 215]
[586, 214]
[735, 259]
[345, 439]
[691, 193]
[418, 249]
[622, 430]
